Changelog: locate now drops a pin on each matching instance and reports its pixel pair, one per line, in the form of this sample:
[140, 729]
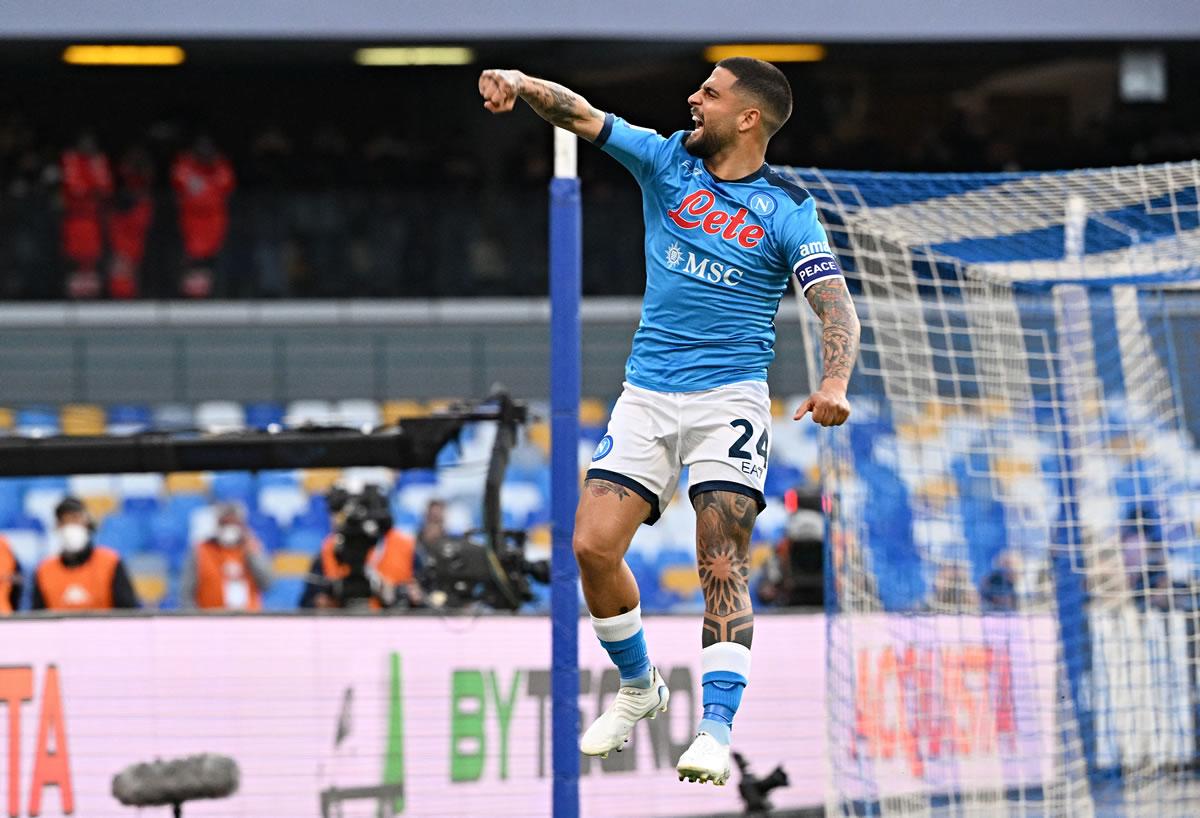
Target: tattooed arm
[831, 302]
[557, 105]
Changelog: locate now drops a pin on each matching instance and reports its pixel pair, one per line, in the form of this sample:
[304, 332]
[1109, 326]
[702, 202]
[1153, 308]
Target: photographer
[364, 562]
[84, 576]
[228, 571]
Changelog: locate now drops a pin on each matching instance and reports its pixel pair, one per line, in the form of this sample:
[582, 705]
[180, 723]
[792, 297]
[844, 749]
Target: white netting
[1014, 502]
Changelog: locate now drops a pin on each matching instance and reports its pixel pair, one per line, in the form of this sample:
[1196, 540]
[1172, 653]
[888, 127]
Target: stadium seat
[129, 419]
[593, 412]
[82, 419]
[187, 483]
[140, 485]
[173, 417]
[40, 501]
[525, 502]
[310, 412]
[8, 419]
[37, 422]
[358, 414]
[150, 576]
[220, 415]
[11, 494]
[395, 411]
[262, 415]
[267, 529]
[29, 547]
[282, 503]
[291, 564]
[234, 487]
[279, 477]
[359, 476]
[167, 534]
[283, 595]
[304, 540]
[126, 533]
[81, 485]
[319, 481]
[201, 524]
[100, 506]
[414, 498]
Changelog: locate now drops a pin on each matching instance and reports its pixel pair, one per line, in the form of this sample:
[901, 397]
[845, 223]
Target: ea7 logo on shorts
[603, 449]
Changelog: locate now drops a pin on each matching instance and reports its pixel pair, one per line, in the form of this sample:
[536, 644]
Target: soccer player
[724, 233]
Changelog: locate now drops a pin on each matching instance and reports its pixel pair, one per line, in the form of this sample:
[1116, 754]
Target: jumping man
[724, 232]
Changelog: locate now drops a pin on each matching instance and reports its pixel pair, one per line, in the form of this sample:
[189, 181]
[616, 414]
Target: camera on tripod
[461, 571]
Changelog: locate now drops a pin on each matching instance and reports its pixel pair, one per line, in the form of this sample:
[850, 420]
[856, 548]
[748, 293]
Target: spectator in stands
[83, 576]
[86, 187]
[10, 579]
[433, 526]
[228, 571]
[203, 180]
[129, 222]
[1145, 557]
[392, 566]
[998, 590]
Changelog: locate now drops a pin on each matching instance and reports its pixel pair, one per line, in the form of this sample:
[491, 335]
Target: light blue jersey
[718, 257]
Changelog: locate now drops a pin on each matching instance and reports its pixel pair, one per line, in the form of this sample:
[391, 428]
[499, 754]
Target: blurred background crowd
[266, 170]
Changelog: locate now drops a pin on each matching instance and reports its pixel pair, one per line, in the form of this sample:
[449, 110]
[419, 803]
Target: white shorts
[721, 435]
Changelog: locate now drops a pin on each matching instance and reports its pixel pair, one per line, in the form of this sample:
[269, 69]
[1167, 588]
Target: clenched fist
[828, 405]
[499, 89]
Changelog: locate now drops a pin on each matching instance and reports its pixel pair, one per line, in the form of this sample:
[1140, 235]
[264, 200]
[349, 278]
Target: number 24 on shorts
[736, 450]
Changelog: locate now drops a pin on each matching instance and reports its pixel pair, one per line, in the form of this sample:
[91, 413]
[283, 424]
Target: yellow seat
[82, 419]
[539, 536]
[539, 435]
[320, 481]
[99, 506]
[680, 579]
[395, 411]
[150, 588]
[592, 413]
[291, 564]
[187, 482]
[8, 418]
[759, 554]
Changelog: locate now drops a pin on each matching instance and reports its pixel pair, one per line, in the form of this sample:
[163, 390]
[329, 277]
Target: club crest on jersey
[762, 203]
[697, 211]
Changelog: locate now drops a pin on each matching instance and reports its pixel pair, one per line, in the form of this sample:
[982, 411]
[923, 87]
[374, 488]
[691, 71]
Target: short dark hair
[69, 505]
[766, 84]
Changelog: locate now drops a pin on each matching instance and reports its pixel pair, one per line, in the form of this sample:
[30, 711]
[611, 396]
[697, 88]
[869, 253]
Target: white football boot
[706, 760]
[631, 705]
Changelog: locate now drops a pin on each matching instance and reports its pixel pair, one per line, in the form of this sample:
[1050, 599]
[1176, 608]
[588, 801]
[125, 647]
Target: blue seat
[141, 505]
[23, 521]
[305, 540]
[235, 486]
[284, 594]
[41, 420]
[10, 503]
[780, 478]
[129, 418]
[126, 533]
[275, 477]
[167, 534]
[416, 477]
[263, 414]
[266, 529]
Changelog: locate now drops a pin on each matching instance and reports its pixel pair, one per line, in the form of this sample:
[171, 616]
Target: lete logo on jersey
[699, 203]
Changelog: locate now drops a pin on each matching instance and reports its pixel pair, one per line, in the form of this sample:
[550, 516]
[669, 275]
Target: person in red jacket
[129, 222]
[203, 180]
[87, 185]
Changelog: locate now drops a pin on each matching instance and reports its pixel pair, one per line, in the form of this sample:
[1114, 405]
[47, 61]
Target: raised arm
[831, 302]
[557, 105]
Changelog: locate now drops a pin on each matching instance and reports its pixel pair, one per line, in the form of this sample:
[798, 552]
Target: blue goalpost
[565, 285]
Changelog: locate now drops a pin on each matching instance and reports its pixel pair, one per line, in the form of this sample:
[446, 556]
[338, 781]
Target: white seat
[284, 503]
[521, 498]
[414, 499]
[220, 415]
[40, 503]
[314, 412]
[29, 547]
[357, 413]
[460, 517]
[202, 524]
[140, 485]
[91, 485]
[361, 476]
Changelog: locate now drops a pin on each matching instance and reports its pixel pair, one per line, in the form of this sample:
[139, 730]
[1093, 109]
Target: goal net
[1012, 584]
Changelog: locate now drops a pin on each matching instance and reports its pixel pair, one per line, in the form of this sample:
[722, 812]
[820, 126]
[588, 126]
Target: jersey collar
[758, 174]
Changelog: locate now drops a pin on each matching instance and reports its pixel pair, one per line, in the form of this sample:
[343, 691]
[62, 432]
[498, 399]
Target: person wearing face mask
[10, 579]
[83, 576]
[229, 570]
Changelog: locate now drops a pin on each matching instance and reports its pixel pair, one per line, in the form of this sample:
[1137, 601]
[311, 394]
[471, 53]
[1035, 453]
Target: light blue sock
[726, 673]
[623, 638]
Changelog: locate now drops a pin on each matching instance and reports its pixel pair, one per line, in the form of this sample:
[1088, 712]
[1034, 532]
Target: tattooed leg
[605, 523]
[724, 522]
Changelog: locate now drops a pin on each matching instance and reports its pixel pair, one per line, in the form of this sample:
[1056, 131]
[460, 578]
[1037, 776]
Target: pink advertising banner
[354, 716]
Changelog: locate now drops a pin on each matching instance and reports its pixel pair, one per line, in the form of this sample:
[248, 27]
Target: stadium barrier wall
[451, 716]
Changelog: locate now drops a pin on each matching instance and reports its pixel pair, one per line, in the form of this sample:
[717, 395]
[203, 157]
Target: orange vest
[220, 569]
[394, 564]
[8, 570]
[86, 587]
